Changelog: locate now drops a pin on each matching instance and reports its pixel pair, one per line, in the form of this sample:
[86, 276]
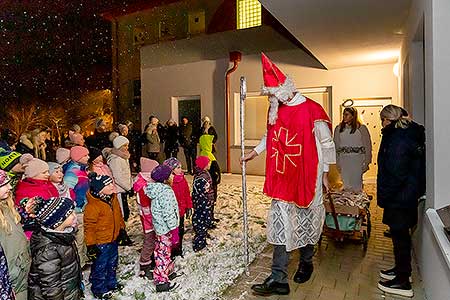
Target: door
[190, 107]
[369, 113]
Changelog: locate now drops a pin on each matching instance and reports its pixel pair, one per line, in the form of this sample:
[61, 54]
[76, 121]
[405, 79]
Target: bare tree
[24, 118]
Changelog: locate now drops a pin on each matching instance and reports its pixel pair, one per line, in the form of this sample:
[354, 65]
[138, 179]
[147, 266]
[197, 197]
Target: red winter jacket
[182, 192]
[143, 201]
[30, 187]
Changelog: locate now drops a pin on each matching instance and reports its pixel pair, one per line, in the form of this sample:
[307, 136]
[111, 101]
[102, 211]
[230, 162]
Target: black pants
[178, 251]
[170, 154]
[190, 153]
[401, 239]
[281, 258]
[126, 209]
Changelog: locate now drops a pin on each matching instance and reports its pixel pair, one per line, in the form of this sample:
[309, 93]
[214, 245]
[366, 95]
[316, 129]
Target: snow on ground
[208, 273]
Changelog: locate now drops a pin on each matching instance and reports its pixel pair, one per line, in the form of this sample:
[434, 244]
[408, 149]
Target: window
[248, 14]
[257, 106]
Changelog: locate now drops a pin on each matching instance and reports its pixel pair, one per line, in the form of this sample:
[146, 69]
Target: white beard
[283, 93]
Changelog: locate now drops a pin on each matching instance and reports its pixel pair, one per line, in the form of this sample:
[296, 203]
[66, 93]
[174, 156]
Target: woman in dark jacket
[400, 183]
[171, 143]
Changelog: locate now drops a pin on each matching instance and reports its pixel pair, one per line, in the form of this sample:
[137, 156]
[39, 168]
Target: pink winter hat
[147, 164]
[202, 162]
[62, 155]
[76, 138]
[78, 152]
[35, 167]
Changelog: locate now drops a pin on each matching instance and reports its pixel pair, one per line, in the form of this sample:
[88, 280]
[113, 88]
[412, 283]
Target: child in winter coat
[13, 240]
[76, 177]
[118, 161]
[13, 162]
[206, 143]
[6, 290]
[55, 271]
[34, 184]
[147, 260]
[183, 194]
[102, 223]
[56, 178]
[165, 218]
[202, 198]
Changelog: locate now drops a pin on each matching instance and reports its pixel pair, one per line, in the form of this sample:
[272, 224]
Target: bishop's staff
[243, 95]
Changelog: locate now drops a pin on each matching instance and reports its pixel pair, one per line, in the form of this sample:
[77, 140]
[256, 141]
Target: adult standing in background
[153, 145]
[353, 149]
[135, 146]
[208, 128]
[400, 184]
[189, 143]
[100, 138]
[171, 145]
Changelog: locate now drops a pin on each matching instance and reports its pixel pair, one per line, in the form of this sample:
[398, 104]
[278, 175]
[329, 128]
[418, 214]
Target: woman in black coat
[400, 183]
[171, 145]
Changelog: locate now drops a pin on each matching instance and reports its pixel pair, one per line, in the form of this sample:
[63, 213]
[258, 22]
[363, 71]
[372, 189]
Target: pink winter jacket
[143, 201]
[182, 192]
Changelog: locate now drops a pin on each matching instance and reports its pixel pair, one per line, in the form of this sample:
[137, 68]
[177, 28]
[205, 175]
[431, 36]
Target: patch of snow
[208, 273]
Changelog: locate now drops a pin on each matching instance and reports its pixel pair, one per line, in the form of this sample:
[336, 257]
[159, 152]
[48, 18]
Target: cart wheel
[365, 240]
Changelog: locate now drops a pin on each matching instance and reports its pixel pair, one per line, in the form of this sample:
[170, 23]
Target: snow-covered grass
[208, 273]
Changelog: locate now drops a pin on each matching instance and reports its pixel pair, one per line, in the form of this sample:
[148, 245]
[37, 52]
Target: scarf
[121, 153]
[103, 197]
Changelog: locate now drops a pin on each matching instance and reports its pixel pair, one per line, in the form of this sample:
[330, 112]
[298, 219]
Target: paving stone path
[343, 271]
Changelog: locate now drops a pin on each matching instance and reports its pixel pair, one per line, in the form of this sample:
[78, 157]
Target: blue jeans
[103, 270]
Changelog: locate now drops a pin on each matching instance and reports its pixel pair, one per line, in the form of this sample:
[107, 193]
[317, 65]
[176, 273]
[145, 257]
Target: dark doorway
[190, 108]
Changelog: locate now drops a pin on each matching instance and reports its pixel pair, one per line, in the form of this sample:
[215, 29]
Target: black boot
[146, 271]
[178, 251]
[271, 287]
[164, 287]
[304, 272]
[397, 286]
[123, 239]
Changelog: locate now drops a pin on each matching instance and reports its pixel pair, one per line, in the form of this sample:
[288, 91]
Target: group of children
[71, 210]
[165, 201]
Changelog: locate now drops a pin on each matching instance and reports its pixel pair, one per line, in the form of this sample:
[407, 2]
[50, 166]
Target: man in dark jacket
[400, 183]
[100, 138]
[189, 143]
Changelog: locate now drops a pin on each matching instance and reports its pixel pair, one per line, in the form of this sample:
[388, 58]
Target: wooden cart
[361, 217]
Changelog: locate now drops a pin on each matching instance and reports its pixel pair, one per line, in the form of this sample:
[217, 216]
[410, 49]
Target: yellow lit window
[249, 13]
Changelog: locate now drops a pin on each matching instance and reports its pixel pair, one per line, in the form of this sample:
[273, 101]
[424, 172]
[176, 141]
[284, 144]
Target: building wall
[175, 18]
[431, 17]
[206, 78]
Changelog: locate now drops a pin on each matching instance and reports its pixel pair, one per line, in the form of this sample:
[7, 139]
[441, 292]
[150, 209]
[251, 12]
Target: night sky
[52, 49]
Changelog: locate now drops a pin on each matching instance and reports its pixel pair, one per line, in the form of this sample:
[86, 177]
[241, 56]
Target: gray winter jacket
[55, 272]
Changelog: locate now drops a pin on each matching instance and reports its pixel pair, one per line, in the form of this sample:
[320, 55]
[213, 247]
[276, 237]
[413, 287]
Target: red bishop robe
[292, 160]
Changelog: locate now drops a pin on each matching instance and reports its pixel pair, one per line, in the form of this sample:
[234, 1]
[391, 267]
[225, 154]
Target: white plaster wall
[206, 78]
[434, 16]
